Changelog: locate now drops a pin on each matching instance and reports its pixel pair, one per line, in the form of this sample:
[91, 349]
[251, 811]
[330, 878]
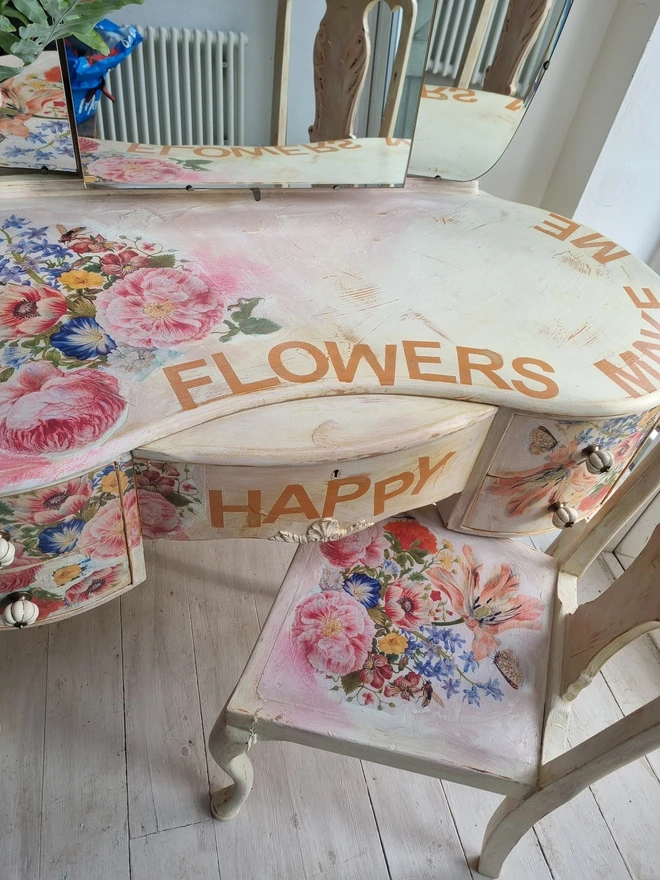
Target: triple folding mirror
[293, 93]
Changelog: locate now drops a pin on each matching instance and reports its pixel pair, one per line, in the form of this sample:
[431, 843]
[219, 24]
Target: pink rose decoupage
[440, 629]
[71, 539]
[86, 316]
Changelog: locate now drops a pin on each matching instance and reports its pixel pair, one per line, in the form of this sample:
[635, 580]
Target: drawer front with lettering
[541, 463]
[189, 502]
[76, 544]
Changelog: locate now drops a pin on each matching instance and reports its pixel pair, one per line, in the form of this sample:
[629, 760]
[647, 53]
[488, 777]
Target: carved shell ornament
[321, 530]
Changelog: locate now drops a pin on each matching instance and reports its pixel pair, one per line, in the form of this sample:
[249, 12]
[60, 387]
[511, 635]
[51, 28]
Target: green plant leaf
[5, 509]
[258, 326]
[6, 374]
[162, 261]
[378, 616]
[177, 499]
[351, 682]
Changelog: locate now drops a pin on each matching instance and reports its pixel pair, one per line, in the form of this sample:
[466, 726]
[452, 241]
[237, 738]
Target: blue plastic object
[87, 68]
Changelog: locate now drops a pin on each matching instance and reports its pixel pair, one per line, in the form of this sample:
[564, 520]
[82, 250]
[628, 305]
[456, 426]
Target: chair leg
[228, 746]
[512, 819]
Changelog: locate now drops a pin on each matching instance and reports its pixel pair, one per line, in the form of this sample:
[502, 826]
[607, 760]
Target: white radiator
[178, 87]
[450, 32]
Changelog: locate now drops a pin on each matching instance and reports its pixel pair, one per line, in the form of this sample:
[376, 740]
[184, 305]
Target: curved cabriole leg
[512, 819]
[228, 746]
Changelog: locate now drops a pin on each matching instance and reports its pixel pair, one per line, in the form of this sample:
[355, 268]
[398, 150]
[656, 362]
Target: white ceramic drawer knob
[598, 460]
[20, 612]
[563, 516]
[7, 549]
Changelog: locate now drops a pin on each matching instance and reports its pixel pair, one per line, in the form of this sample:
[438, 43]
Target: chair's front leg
[512, 819]
[228, 746]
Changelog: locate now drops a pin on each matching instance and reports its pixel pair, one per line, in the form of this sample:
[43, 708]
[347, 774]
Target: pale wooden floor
[104, 774]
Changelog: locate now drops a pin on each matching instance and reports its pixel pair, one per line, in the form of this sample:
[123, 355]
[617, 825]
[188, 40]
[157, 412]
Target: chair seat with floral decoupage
[425, 645]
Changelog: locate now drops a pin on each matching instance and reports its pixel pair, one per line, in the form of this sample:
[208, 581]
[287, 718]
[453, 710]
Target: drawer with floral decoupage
[71, 545]
[549, 473]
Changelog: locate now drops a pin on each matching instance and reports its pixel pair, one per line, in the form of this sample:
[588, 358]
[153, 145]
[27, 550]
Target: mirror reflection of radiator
[178, 87]
[449, 38]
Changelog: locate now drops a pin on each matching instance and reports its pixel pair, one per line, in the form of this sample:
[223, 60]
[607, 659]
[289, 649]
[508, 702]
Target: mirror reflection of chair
[405, 648]
[522, 26]
[342, 51]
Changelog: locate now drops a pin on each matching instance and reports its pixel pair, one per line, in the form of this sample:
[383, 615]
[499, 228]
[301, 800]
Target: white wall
[622, 196]
[524, 171]
[614, 68]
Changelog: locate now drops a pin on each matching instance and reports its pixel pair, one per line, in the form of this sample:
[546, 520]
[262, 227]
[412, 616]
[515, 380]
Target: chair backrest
[341, 58]
[524, 20]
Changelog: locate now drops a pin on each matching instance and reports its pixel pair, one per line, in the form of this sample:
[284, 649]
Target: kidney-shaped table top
[127, 317]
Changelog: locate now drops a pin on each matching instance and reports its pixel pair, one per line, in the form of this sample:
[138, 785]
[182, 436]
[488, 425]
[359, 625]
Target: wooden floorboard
[83, 813]
[24, 664]
[164, 661]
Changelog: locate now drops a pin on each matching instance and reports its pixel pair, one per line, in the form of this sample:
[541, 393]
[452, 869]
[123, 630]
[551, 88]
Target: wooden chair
[522, 25]
[341, 59]
[451, 655]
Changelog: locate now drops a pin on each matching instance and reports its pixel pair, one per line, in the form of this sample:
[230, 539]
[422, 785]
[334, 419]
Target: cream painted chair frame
[582, 639]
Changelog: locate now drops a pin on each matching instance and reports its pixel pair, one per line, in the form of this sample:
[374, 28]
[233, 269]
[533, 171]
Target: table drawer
[542, 462]
[77, 554]
[188, 502]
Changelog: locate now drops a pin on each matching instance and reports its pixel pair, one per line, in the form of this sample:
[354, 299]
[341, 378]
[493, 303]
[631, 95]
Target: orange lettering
[466, 366]
[346, 371]
[426, 471]
[141, 148]
[550, 388]
[212, 152]
[635, 376]
[292, 151]
[275, 361]
[467, 96]
[651, 302]
[322, 147]
[348, 144]
[413, 360]
[561, 232]
[653, 323]
[596, 240]
[333, 496]
[280, 508]
[406, 479]
[649, 349]
[235, 384]
[180, 387]
[218, 508]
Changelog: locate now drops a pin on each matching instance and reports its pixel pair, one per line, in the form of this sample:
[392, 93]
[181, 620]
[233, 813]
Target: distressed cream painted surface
[329, 429]
[364, 161]
[511, 306]
[264, 502]
[461, 133]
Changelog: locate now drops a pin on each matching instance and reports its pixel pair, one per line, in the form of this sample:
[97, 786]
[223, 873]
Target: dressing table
[298, 364]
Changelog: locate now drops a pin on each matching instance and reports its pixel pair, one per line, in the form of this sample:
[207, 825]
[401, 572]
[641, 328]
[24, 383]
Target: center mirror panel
[289, 92]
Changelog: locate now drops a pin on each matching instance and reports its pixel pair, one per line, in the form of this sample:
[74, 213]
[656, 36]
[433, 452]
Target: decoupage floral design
[170, 495]
[401, 614]
[71, 538]
[562, 474]
[78, 311]
[34, 126]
